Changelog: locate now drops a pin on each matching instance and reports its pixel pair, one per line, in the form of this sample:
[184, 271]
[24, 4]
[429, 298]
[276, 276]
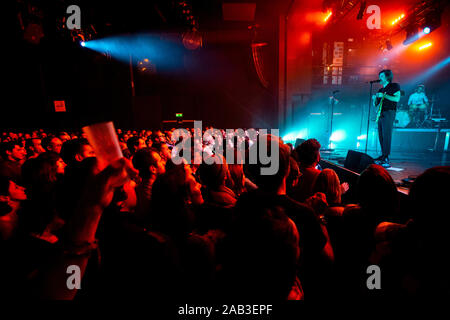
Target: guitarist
[386, 99]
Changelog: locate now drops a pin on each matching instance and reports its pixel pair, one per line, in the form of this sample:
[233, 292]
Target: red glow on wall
[305, 38]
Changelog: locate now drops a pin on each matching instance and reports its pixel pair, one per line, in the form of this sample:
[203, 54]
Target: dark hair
[132, 143]
[377, 192]
[71, 148]
[269, 182]
[45, 142]
[213, 175]
[41, 172]
[157, 145]
[170, 212]
[388, 73]
[428, 197]
[8, 146]
[308, 151]
[142, 160]
[40, 180]
[261, 250]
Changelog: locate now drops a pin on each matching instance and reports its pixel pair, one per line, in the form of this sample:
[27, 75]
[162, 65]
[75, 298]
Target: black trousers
[385, 127]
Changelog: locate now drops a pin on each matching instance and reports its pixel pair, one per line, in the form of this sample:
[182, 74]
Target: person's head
[328, 183]
[158, 136]
[135, 143]
[163, 150]
[386, 76]
[376, 191]
[263, 244]
[40, 177]
[420, 88]
[43, 170]
[9, 192]
[34, 146]
[270, 182]
[63, 136]
[76, 151]
[308, 153]
[213, 175]
[149, 163]
[53, 144]
[428, 200]
[172, 194]
[13, 150]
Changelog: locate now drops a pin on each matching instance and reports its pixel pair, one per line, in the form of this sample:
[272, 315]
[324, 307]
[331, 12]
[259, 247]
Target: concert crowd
[146, 228]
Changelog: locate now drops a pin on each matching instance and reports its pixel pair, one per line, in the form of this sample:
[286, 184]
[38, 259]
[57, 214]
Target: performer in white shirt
[418, 103]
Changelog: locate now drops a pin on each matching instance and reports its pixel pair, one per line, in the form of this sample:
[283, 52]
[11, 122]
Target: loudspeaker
[357, 161]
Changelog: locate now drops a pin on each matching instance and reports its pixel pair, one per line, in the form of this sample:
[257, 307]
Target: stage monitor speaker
[299, 142]
[357, 161]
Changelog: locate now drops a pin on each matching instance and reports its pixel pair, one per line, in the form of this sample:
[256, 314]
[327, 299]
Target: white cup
[103, 139]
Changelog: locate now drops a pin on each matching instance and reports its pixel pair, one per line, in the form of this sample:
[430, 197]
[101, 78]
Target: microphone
[374, 81]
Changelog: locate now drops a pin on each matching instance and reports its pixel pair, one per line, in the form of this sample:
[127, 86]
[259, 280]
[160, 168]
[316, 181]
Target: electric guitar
[379, 106]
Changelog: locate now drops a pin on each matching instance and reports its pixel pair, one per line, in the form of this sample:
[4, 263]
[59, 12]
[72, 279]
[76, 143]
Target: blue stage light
[82, 43]
[165, 52]
[426, 30]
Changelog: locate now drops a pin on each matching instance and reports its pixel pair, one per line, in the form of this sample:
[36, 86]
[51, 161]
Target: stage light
[192, 40]
[427, 45]
[432, 22]
[337, 136]
[438, 67]
[289, 137]
[412, 35]
[82, 43]
[398, 19]
[329, 13]
[294, 135]
[164, 52]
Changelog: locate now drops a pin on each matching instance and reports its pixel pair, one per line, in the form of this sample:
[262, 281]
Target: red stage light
[329, 13]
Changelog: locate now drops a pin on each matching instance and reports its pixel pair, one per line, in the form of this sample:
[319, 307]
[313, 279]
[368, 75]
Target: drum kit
[417, 116]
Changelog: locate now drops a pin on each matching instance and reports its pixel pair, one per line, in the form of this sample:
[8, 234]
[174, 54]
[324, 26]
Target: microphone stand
[368, 115]
[333, 102]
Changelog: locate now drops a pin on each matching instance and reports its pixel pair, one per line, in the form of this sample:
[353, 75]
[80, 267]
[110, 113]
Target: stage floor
[403, 164]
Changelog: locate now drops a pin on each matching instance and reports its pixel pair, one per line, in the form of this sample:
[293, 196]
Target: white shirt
[417, 98]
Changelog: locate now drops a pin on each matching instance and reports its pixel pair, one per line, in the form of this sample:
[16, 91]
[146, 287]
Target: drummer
[418, 103]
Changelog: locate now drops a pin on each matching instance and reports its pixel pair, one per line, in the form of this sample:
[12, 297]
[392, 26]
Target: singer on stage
[386, 100]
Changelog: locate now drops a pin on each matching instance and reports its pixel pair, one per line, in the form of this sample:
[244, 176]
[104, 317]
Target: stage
[403, 164]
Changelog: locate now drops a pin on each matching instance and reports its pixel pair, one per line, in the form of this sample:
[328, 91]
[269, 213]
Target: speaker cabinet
[357, 161]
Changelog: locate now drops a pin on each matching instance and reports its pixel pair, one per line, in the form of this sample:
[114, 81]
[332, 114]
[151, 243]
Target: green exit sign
[179, 115]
